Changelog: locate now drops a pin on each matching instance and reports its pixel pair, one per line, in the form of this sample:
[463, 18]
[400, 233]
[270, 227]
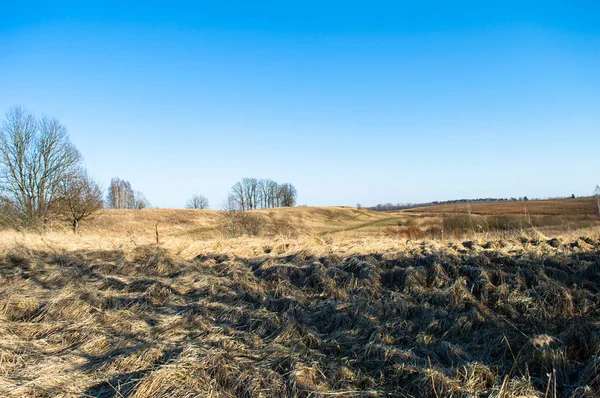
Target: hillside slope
[204, 223]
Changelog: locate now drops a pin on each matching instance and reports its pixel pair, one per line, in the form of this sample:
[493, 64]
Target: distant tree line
[403, 206]
[252, 193]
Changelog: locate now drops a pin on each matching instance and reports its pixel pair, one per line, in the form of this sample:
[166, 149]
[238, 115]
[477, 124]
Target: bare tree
[122, 196]
[79, 197]
[288, 195]
[251, 185]
[35, 157]
[197, 202]
[262, 192]
[273, 194]
[237, 198]
[252, 193]
[139, 201]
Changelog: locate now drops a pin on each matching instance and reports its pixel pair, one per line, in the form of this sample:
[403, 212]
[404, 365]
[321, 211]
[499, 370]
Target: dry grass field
[554, 207]
[324, 302]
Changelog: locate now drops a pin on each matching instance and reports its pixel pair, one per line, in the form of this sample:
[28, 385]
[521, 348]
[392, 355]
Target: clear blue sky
[352, 102]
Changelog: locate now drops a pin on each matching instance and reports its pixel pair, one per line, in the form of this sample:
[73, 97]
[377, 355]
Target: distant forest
[403, 206]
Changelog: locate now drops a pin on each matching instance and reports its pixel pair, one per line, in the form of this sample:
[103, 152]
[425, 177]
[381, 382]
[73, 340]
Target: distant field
[206, 223]
[580, 206]
[551, 217]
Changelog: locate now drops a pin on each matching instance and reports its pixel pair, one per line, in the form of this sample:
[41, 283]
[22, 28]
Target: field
[556, 207]
[322, 302]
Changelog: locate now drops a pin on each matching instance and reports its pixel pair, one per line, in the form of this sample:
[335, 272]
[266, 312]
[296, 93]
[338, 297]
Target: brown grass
[325, 302]
[138, 227]
[309, 316]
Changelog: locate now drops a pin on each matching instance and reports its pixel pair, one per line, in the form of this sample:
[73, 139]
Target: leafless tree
[252, 193]
[272, 194]
[197, 202]
[262, 193]
[35, 158]
[288, 195]
[237, 198]
[139, 201]
[122, 196]
[79, 197]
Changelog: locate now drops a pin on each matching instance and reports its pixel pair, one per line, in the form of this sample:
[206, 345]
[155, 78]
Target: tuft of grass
[19, 308]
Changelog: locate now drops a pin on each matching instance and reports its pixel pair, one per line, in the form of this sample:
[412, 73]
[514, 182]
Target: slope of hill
[181, 229]
[206, 222]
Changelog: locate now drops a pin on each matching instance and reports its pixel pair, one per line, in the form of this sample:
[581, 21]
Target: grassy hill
[177, 225]
[205, 223]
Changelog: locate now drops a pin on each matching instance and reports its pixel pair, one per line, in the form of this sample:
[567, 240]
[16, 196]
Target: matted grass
[311, 316]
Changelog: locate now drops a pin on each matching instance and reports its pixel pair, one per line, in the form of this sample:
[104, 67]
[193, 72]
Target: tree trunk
[75, 225]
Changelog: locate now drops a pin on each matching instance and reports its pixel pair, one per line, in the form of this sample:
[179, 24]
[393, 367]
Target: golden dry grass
[343, 307]
[205, 223]
[550, 217]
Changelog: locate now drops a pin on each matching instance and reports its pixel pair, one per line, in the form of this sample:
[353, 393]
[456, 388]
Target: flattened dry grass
[310, 317]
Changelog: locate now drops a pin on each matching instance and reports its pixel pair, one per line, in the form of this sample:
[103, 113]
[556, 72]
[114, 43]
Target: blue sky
[352, 102]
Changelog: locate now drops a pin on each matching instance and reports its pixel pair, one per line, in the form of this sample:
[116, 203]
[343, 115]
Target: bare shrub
[79, 197]
[435, 232]
[414, 232]
[9, 214]
[236, 223]
[457, 225]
